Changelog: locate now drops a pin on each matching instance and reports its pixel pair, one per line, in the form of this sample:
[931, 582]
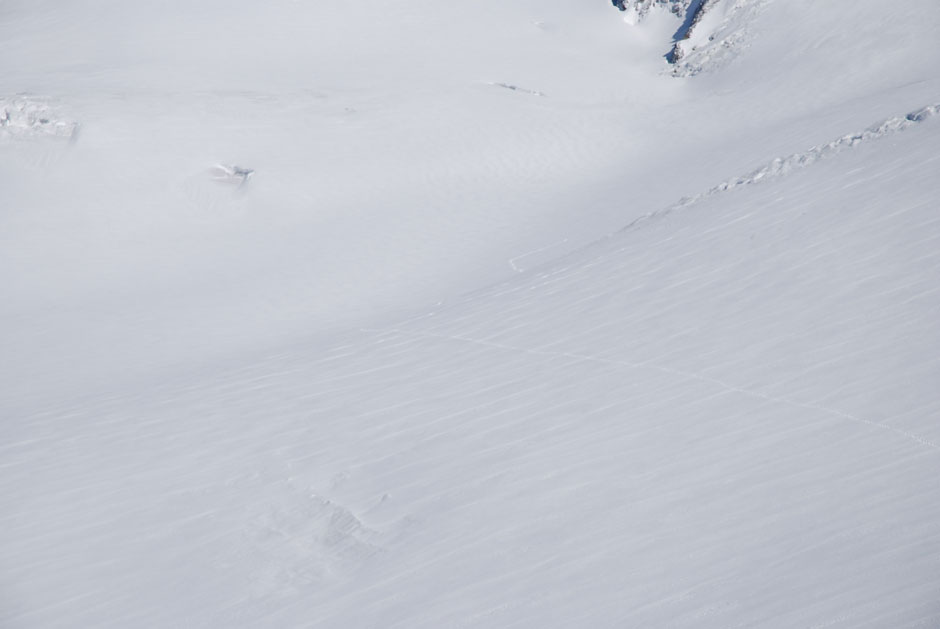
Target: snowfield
[479, 314]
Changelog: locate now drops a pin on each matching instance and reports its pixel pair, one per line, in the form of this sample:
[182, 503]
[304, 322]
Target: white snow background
[511, 324]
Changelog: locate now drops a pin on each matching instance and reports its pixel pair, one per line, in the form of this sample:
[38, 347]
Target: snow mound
[25, 116]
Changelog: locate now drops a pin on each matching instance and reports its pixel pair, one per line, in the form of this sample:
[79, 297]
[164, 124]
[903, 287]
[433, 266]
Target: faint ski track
[670, 370]
[781, 166]
[515, 267]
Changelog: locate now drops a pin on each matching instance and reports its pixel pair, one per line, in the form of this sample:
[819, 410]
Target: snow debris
[231, 174]
[26, 116]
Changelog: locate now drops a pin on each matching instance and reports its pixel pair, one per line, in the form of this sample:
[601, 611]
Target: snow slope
[611, 348]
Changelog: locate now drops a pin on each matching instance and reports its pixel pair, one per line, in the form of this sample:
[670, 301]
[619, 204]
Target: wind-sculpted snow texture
[329, 317]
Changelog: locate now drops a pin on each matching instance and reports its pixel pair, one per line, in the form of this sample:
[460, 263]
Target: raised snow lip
[25, 116]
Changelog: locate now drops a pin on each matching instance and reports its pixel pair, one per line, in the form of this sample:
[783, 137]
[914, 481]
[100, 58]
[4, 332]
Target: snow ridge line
[781, 166]
[921, 440]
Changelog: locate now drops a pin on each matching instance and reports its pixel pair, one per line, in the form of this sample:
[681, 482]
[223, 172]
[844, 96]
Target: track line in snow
[517, 269]
[516, 88]
[780, 166]
[923, 441]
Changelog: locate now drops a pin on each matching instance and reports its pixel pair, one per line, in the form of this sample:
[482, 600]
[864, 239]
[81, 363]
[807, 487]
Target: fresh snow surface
[422, 314]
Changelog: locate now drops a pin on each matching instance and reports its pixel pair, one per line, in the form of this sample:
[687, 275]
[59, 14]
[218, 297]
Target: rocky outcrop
[642, 7]
[694, 14]
[711, 32]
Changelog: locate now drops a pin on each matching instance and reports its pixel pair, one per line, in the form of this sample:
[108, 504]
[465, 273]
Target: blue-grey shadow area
[691, 16]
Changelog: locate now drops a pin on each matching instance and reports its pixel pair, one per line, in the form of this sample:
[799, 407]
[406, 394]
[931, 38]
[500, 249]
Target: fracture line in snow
[669, 370]
[781, 166]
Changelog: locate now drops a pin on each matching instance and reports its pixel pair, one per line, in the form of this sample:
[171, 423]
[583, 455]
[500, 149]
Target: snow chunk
[26, 116]
[231, 174]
